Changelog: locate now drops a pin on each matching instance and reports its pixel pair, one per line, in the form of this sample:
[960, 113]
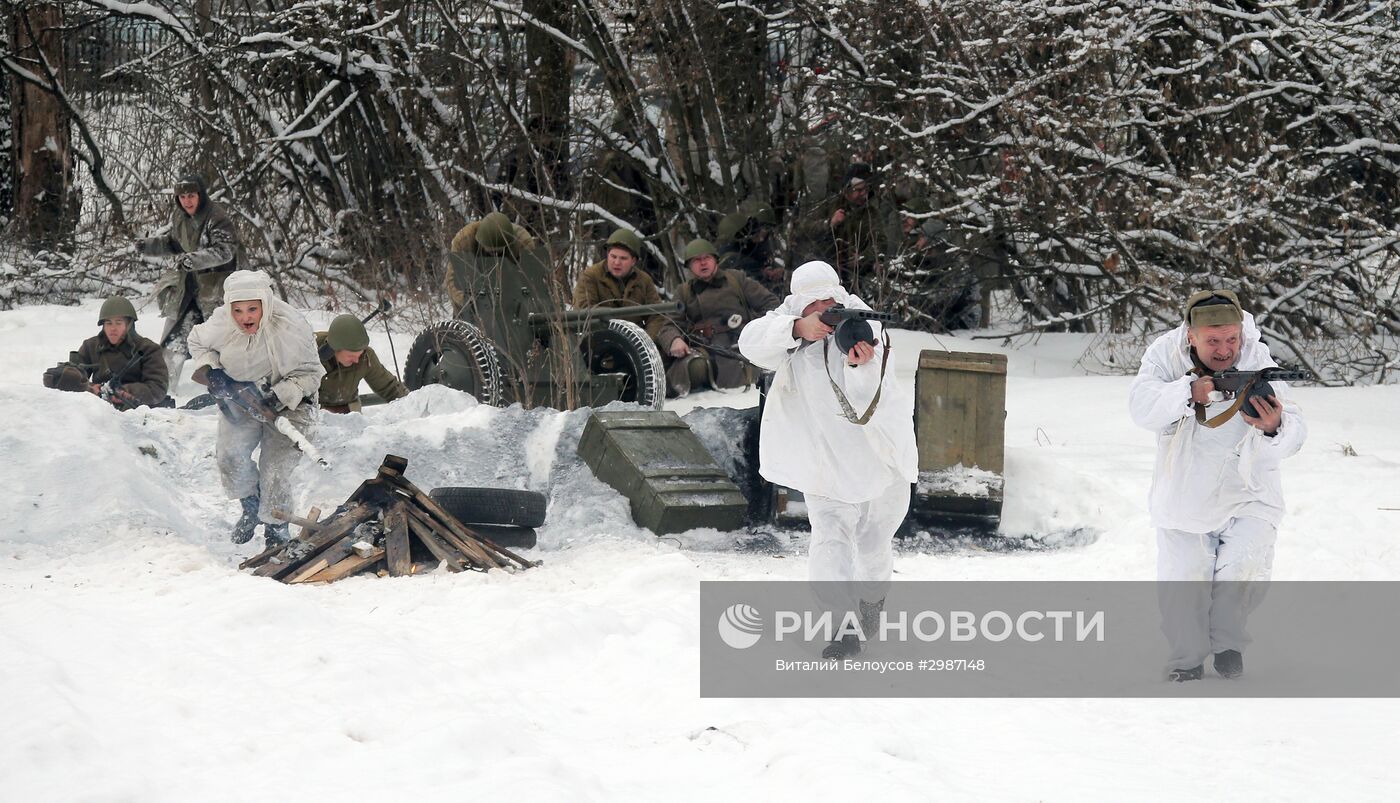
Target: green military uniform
[505, 236]
[97, 360]
[745, 240]
[715, 311]
[857, 244]
[340, 387]
[948, 290]
[207, 244]
[598, 288]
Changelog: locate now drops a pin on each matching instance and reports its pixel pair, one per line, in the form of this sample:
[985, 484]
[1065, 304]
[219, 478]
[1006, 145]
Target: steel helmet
[496, 233]
[116, 307]
[627, 239]
[346, 333]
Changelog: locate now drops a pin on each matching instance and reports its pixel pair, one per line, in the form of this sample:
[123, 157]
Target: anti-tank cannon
[513, 340]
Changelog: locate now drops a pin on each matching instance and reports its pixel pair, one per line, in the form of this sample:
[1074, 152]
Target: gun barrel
[543, 319]
[834, 316]
[1233, 380]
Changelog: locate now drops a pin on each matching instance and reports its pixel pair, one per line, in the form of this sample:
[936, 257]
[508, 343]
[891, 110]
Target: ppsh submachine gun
[1231, 383]
[853, 325]
[111, 391]
[513, 341]
[246, 396]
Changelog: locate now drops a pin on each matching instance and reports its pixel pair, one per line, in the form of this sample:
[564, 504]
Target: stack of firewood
[387, 526]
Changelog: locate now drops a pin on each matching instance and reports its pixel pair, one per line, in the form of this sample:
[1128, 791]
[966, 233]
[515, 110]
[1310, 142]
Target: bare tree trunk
[202, 161]
[8, 167]
[46, 208]
[548, 88]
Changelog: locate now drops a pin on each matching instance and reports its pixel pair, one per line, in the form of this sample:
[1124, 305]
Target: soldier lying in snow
[122, 367]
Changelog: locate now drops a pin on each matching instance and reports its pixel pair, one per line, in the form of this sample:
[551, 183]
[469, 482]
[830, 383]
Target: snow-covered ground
[137, 663]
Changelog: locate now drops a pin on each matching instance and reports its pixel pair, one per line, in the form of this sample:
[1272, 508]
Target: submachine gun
[111, 390]
[247, 397]
[853, 325]
[1255, 384]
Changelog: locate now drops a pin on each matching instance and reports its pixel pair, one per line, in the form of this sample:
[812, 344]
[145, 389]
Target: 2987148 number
[953, 664]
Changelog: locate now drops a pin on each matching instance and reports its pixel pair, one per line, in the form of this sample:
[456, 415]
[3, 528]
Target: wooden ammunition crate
[671, 480]
[960, 425]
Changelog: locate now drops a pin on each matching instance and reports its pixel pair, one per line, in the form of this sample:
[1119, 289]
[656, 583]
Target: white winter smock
[1204, 477]
[281, 354]
[806, 442]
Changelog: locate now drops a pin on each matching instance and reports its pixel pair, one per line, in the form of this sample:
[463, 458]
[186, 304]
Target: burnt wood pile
[388, 527]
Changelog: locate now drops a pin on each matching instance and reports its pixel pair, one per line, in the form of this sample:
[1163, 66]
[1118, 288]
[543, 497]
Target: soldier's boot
[1229, 663]
[1184, 675]
[277, 534]
[844, 647]
[248, 522]
[870, 617]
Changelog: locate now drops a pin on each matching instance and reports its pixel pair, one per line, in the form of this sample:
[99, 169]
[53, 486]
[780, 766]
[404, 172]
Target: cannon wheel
[458, 355]
[623, 346]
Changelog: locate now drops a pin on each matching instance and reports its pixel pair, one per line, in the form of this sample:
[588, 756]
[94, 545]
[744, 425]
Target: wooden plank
[450, 521]
[976, 362]
[308, 523]
[969, 367]
[432, 514]
[473, 553]
[449, 556]
[392, 461]
[267, 554]
[989, 449]
[399, 562]
[354, 564]
[330, 531]
[339, 551]
[312, 516]
[962, 393]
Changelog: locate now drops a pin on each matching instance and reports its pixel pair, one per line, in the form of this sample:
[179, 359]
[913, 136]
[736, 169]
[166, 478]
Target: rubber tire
[492, 505]
[635, 354]
[507, 537]
[461, 341]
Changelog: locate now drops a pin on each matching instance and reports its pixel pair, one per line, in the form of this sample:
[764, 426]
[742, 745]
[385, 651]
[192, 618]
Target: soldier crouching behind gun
[256, 338]
[718, 304]
[123, 368]
[854, 468]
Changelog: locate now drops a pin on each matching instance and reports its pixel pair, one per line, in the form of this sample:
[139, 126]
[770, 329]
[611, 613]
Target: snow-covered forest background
[1092, 162]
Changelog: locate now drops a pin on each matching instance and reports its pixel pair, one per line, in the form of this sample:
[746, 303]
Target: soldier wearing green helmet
[718, 304]
[745, 240]
[347, 357]
[615, 280]
[118, 365]
[494, 235]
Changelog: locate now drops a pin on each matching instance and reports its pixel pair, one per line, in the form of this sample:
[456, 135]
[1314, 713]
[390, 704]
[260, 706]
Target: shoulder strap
[847, 410]
[1200, 369]
[736, 283]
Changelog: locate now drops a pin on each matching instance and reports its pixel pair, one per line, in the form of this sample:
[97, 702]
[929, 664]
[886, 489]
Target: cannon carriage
[514, 341]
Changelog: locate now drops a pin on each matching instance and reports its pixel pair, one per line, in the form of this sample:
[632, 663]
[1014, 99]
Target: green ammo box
[960, 425]
[653, 459]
